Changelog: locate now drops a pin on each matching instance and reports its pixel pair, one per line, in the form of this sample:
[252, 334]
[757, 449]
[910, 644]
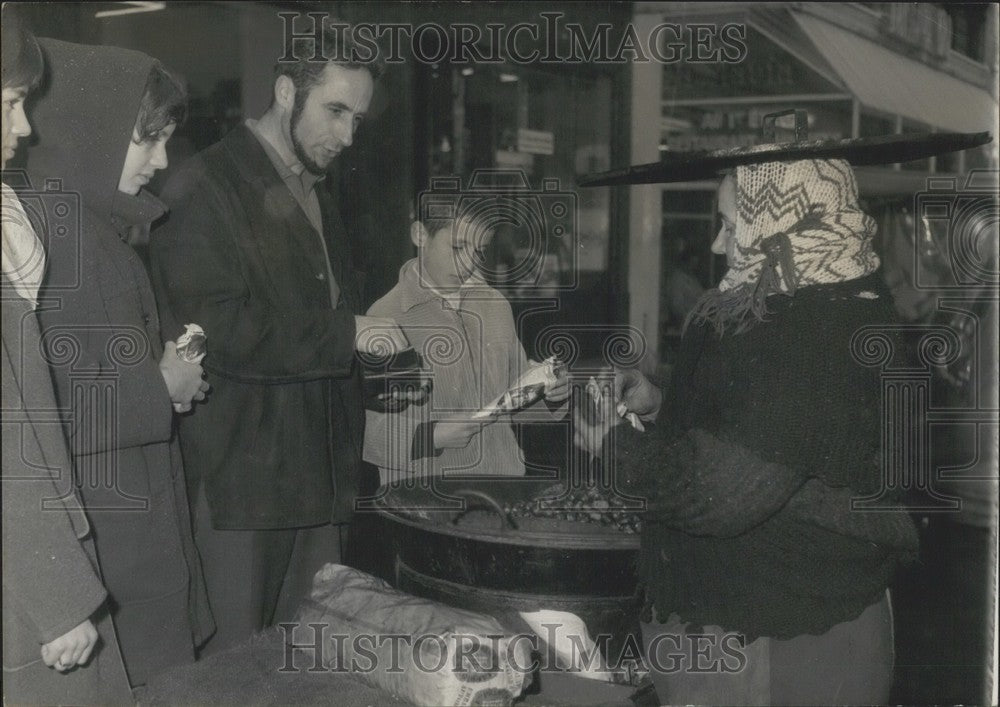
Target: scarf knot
[797, 224]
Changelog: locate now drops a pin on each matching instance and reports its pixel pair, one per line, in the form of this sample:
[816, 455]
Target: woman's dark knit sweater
[763, 440]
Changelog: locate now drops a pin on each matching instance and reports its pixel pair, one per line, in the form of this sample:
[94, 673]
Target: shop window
[950, 163]
[916, 165]
[688, 265]
[767, 70]
[968, 27]
[532, 130]
[873, 125]
[980, 158]
[549, 127]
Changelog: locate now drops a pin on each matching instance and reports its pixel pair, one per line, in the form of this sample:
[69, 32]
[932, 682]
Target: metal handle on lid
[485, 501]
[767, 125]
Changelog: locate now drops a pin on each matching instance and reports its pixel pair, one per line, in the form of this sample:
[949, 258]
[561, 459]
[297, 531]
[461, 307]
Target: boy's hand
[450, 434]
[559, 390]
[72, 648]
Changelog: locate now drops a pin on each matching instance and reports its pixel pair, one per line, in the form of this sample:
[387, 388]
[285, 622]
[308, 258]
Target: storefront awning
[885, 81]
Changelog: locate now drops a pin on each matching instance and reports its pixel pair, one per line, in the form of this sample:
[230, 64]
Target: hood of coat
[83, 120]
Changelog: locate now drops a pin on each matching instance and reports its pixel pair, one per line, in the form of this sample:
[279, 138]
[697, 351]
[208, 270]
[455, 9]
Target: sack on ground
[420, 650]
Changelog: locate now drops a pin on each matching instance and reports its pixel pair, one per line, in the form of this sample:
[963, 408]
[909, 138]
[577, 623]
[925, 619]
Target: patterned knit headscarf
[797, 224]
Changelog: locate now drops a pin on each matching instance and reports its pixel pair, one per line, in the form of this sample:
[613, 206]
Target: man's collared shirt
[302, 184]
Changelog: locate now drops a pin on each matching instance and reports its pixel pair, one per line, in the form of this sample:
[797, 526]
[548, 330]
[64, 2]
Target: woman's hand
[72, 648]
[183, 379]
[637, 393]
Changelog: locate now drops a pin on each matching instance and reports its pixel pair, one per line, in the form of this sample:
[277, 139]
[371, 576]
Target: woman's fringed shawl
[797, 224]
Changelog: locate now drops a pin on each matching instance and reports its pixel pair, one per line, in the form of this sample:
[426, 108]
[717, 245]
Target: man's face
[15, 123]
[323, 121]
[451, 256]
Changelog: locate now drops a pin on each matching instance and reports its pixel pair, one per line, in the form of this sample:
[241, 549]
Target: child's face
[450, 256]
[143, 159]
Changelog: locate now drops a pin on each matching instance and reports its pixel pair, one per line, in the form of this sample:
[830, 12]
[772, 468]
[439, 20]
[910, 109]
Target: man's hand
[378, 336]
[72, 648]
[558, 390]
[637, 393]
[456, 434]
[183, 379]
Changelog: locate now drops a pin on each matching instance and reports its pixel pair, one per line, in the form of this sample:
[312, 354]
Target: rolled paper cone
[192, 344]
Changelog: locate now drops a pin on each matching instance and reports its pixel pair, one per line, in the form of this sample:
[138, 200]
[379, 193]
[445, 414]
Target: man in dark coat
[255, 252]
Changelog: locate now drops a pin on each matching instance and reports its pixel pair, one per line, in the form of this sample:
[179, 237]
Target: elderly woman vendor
[762, 585]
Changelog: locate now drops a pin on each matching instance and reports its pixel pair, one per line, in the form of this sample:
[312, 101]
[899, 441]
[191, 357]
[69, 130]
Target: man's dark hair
[22, 64]
[341, 49]
[164, 101]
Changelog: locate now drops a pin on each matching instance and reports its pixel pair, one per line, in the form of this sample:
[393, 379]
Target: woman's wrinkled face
[144, 158]
[725, 241]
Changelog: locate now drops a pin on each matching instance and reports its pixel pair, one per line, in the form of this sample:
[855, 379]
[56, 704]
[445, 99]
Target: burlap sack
[420, 650]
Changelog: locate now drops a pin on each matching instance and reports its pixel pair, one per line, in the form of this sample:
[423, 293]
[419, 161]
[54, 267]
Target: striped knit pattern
[797, 224]
[815, 202]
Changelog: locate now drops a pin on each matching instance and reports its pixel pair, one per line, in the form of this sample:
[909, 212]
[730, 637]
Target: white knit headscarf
[797, 224]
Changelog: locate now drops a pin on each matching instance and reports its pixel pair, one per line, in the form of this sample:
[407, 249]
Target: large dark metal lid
[432, 509]
[691, 166]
